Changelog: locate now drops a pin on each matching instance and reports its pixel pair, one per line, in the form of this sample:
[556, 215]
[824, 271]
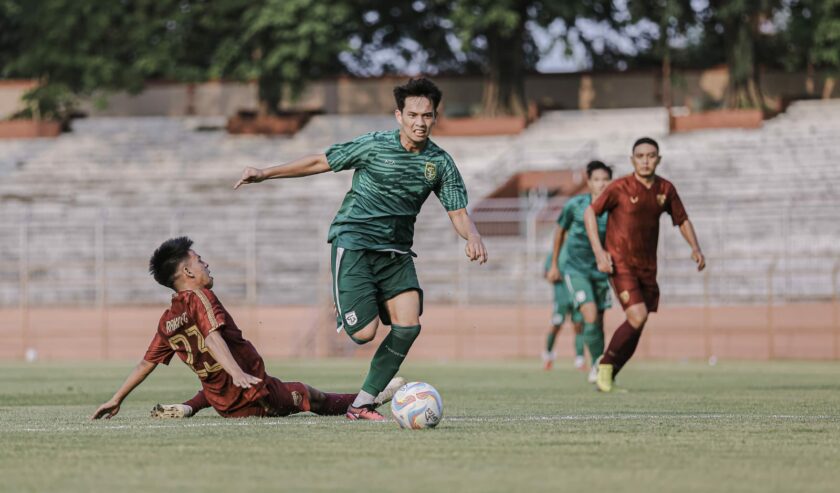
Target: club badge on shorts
[625, 296]
[431, 171]
[351, 318]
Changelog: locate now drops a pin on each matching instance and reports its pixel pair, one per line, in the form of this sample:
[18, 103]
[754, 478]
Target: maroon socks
[622, 346]
[198, 402]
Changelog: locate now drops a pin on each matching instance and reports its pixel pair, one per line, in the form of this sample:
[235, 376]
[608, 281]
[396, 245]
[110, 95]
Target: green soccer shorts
[563, 305]
[583, 289]
[363, 280]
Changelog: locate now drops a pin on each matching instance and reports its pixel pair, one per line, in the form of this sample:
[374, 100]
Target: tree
[826, 51]
[490, 37]
[672, 18]
[742, 24]
[78, 47]
[282, 44]
[497, 30]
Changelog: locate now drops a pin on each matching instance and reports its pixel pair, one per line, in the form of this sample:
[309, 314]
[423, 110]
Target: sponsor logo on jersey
[351, 318]
[176, 323]
[660, 198]
[633, 200]
[390, 162]
[431, 171]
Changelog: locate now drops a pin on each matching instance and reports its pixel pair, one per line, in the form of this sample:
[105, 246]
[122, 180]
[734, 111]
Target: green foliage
[78, 47]
[283, 44]
[826, 51]
[10, 35]
[53, 101]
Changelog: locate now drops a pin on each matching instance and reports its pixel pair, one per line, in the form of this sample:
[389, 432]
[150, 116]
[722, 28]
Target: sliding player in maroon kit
[635, 203]
[202, 333]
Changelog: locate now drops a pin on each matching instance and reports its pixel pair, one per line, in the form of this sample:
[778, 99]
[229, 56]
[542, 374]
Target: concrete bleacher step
[142, 179]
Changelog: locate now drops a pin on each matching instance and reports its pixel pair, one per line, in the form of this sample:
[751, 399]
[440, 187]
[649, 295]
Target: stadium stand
[91, 205]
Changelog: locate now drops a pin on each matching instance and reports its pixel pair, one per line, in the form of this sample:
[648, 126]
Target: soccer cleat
[593, 372]
[604, 381]
[365, 413]
[580, 363]
[387, 394]
[171, 411]
[592, 377]
[548, 359]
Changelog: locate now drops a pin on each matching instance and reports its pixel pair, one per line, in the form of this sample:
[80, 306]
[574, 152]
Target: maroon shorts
[632, 289]
[283, 399]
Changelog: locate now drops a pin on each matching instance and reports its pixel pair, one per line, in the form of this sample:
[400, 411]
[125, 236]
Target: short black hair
[596, 165]
[645, 140]
[418, 87]
[165, 261]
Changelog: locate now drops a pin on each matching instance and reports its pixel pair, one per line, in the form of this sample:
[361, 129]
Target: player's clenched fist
[698, 257]
[604, 261]
[250, 175]
[476, 250]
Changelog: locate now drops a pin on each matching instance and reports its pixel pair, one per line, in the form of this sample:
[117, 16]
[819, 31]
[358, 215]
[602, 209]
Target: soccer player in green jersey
[588, 288]
[374, 281]
[564, 313]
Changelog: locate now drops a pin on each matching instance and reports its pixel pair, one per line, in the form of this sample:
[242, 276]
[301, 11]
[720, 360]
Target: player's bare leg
[404, 310]
[622, 346]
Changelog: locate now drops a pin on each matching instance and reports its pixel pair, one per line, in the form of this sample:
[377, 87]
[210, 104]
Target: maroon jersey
[182, 330]
[633, 224]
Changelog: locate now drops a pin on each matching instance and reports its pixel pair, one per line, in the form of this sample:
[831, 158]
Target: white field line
[174, 424]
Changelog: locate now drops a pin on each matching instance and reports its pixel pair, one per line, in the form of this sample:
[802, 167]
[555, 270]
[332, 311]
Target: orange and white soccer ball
[417, 405]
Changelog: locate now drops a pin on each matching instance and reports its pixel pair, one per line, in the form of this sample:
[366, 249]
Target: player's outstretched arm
[687, 230]
[305, 166]
[602, 257]
[553, 274]
[112, 407]
[465, 227]
[221, 352]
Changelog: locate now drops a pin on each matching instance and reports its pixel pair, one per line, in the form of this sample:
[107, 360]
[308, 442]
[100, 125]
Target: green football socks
[593, 334]
[388, 358]
[579, 344]
[549, 344]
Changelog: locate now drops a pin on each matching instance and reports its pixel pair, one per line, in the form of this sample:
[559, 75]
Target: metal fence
[754, 256]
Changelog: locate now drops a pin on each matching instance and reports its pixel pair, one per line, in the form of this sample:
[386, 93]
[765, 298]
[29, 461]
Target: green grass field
[508, 426]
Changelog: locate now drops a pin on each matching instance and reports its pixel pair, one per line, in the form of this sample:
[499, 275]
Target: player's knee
[366, 334]
[638, 318]
[589, 313]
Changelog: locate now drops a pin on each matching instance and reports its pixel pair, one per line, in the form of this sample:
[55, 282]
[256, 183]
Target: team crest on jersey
[660, 199]
[431, 171]
[633, 200]
[625, 296]
[351, 318]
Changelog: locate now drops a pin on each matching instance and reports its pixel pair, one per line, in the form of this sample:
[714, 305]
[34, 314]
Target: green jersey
[577, 257]
[389, 186]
